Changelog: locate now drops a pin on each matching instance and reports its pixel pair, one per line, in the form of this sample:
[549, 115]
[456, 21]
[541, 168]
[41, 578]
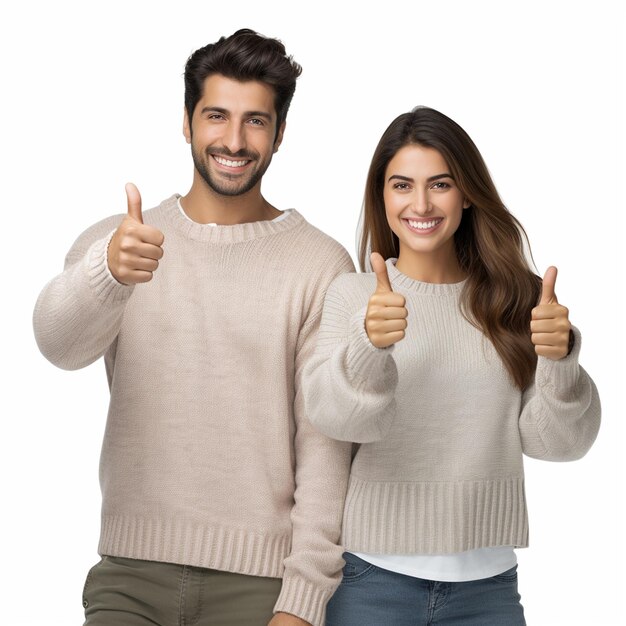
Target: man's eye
[255, 121]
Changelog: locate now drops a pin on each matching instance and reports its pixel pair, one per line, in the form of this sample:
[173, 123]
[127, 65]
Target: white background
[93, 97]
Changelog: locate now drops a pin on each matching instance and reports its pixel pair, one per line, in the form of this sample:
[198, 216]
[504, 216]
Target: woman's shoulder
[353, 286]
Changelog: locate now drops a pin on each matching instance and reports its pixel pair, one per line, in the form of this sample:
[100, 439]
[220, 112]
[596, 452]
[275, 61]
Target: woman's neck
[439, 267]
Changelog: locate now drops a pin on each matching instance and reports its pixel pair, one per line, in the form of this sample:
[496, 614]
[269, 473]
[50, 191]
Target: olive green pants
[128, 592]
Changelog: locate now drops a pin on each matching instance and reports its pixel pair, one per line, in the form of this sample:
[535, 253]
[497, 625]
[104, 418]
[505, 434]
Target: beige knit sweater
[207, 458]
[442, 427]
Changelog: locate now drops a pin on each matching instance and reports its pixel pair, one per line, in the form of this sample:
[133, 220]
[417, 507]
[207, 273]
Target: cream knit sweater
[207, 458]
[442, 427]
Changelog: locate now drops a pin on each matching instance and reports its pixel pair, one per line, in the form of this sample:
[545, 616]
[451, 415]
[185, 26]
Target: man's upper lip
[230, 158]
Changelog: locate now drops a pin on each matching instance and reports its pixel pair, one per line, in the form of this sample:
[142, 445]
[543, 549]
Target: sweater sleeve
[560, 414]
[78, 314]
[350, 384]
[322, 466]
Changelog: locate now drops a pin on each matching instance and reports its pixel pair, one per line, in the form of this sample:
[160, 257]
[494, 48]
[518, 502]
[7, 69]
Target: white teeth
[423, 225]
[228, 163]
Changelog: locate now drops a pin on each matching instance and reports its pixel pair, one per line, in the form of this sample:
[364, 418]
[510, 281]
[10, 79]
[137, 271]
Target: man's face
[233, 134]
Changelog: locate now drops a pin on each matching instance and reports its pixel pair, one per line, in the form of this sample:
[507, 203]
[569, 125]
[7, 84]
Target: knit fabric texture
[207, 457]
[441, 426]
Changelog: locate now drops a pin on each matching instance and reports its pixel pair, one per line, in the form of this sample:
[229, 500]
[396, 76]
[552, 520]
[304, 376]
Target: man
[221, 504]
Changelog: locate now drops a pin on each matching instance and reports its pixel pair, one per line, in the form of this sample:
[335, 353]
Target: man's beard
[240, 185]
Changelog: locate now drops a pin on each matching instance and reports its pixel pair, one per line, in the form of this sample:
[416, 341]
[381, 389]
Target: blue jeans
[372, 596]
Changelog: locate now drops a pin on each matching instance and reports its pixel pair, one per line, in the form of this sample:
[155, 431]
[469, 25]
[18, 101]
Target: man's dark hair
[243, 56]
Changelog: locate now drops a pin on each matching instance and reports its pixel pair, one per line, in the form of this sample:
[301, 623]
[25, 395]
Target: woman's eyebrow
[430, 179]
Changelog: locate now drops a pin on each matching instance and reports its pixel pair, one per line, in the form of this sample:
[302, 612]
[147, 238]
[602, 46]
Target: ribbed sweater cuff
[364, 361]
[301, 598]
[561, 375]
[100, 280]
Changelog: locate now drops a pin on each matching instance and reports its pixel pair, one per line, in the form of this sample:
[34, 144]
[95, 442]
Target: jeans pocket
[355, 568]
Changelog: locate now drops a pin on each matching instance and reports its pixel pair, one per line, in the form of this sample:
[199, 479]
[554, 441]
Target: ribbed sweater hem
[434, 517]
[300, 597]
[185, 542]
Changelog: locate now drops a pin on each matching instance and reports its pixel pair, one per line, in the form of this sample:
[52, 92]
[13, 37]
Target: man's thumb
[134, 202]
[380, 269]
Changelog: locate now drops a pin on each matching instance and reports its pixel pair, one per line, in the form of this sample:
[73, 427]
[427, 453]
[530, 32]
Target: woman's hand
[385, 319]
[550, 327]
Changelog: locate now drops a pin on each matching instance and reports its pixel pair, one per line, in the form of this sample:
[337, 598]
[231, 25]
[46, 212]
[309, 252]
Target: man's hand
[550, 326]
[135, 248]
[385, 319]
[286, 619]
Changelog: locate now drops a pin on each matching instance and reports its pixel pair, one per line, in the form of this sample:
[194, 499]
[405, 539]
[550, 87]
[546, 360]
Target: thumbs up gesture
[550, 326]
[385, 319]
[135, 248]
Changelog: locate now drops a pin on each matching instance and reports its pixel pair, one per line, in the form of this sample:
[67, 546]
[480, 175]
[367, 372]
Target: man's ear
[186, 126]
[279, 137]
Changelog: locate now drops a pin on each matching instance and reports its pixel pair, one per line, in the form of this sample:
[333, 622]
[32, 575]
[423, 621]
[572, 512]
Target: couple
[271, 408]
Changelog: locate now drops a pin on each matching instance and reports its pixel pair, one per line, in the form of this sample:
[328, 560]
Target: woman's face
[422, 202]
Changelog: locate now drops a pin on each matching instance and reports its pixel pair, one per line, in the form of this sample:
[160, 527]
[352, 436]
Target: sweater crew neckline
[226, 234]
[417, 286]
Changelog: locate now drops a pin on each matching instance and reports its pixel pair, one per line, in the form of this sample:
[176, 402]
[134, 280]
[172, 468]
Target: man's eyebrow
[430, 179]
[263, 114]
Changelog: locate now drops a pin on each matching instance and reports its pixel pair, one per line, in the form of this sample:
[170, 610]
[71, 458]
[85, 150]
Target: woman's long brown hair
[501, 288]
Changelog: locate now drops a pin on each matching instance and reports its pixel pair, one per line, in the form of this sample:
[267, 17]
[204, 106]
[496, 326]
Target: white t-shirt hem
[460, 567]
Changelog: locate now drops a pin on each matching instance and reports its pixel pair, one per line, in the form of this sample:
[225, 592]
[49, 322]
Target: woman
[445, 365]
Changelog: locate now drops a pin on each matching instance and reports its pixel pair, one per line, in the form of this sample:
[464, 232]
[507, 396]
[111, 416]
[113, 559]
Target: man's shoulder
[93, 233]
[317, 239]
[103, 227]
[106, 226]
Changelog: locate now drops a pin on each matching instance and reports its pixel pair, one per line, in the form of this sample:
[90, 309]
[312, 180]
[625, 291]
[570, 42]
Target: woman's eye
[440, 185]
[401, 186]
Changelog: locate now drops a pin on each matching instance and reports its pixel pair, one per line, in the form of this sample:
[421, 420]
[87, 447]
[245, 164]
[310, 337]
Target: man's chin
[229, 185]
[226, 187]
[230, 193]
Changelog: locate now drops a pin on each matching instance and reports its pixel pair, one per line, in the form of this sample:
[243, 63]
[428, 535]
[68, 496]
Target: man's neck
[205, 206]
